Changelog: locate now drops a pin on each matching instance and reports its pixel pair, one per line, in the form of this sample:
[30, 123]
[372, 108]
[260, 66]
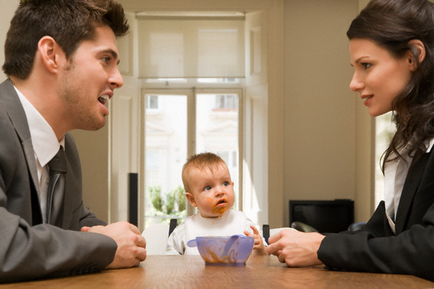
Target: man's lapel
[12, 103]
[18, 117]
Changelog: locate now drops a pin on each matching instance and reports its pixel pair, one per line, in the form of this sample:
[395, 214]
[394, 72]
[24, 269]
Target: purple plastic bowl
[224, 250]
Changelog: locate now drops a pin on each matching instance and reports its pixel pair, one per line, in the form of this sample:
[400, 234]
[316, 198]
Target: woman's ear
[417, 51]
[48, 50]
[190, 199]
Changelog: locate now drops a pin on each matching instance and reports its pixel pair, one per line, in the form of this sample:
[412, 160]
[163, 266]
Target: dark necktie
[55, 193]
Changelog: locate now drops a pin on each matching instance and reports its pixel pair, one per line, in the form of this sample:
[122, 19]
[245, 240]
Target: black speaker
[133, 198]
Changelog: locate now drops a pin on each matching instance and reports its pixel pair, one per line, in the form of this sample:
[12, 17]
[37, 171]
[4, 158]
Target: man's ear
[49, 52]
[190, 199]
[417, 51]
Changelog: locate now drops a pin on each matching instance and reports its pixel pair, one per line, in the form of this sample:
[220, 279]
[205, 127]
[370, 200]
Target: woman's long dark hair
[391, 24]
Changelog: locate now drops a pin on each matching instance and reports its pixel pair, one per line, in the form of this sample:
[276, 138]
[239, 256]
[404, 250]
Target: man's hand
[131, 245]
[296, 249]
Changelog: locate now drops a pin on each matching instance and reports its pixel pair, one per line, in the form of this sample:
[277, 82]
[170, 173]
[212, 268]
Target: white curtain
[186, 47]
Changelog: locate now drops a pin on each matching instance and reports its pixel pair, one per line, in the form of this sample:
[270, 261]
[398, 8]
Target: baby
[209, 187]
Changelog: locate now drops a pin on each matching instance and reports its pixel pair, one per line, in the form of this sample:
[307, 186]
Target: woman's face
[378, 76]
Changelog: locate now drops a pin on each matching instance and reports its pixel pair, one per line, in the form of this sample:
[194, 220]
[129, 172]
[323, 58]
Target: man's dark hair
[69, 22]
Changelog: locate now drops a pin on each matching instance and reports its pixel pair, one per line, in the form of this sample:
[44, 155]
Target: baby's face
[211, 191]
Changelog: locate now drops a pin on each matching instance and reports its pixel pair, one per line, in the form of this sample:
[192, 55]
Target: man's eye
[106, 59]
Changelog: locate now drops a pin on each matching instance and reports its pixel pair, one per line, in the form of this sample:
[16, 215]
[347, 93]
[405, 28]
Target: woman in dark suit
[392, 52]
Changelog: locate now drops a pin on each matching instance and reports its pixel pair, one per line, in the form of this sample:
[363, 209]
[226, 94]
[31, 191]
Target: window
[152, 102]
[218, 80]
[168, 142]
[141, 141]
[218, 131]
[165, 137]
[385, 130]
[226, 102]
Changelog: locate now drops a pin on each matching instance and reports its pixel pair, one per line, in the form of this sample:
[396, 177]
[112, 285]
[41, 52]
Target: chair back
[300, 226]
[173, 225]
[277, 230]
[156, 236]
[267, 232]
[356, 226]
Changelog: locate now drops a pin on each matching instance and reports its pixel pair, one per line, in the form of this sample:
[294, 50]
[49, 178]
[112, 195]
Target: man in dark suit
[61, 59]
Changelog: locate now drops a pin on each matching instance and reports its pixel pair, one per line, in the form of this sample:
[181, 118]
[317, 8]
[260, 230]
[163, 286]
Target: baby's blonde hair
[200, 161]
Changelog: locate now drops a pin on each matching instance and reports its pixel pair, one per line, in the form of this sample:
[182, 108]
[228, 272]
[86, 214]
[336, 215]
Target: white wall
[320, 126]
[7, 10]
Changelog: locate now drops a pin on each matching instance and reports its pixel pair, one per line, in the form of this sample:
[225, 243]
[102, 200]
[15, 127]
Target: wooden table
[259, 272]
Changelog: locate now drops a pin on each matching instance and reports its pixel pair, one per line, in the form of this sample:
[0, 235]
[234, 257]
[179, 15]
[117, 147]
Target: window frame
[191, 95]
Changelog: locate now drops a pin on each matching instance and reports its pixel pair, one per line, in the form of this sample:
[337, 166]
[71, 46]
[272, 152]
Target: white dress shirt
[45, 146]
[395, 173]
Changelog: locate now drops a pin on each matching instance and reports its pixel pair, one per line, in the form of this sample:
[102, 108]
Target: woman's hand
[295, 248]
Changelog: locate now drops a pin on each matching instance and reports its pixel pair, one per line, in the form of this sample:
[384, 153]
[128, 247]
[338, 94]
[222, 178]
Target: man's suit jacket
[29, 249]
[376, 248]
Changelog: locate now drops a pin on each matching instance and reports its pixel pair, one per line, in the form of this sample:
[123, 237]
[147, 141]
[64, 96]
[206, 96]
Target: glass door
[175, 125]
[217, 130]
[165, 151]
